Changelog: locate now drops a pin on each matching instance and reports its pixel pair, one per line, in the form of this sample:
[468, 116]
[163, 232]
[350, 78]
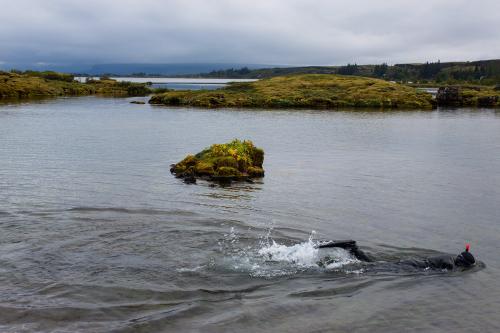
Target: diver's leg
[349, 245]
[360, 255]
[343, 244]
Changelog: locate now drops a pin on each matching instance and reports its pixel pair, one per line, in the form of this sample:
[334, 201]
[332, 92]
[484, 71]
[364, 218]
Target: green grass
[324, 91]
[236, 159]
[50, 84]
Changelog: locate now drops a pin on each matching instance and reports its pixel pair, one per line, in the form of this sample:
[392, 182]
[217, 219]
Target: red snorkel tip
[467, 247]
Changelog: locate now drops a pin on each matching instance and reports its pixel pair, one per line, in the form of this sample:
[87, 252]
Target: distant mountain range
[166, 69]
[136, 69]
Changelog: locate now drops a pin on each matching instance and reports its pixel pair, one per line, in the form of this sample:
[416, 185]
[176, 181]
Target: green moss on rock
[255, 171]
[235, 160]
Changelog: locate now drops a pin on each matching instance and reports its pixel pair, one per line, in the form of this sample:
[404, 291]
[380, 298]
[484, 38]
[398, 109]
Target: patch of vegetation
[50, 75]
[235, 160]
[303, 91]
[19, 85]
[110, 87]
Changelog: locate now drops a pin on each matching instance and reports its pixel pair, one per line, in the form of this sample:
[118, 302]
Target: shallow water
[97, 236]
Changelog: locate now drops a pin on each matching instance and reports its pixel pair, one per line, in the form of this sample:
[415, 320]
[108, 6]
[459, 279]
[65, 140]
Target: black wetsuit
[436, 262]
[445, 261]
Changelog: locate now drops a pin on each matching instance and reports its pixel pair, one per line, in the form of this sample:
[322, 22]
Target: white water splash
[271, 259]
[303, 254]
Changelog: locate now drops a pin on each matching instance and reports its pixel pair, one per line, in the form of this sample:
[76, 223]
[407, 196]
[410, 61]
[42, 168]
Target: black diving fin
[343, 244]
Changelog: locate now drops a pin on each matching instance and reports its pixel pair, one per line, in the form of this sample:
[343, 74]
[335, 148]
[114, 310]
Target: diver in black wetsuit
[449, 262]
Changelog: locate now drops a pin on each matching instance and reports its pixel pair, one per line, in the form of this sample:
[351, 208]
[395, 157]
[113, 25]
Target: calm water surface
[177, 83]
[97, 236]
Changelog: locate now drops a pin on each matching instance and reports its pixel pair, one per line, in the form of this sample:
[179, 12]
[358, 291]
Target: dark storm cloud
[271, 32]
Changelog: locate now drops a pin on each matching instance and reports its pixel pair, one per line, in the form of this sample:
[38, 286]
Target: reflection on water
[98, 236]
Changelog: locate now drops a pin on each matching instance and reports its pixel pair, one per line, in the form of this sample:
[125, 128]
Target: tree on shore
[348, 70]
[380, 70]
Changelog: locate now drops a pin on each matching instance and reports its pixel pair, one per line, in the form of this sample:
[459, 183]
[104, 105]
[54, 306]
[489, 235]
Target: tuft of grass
[233, 160]
[318, 91]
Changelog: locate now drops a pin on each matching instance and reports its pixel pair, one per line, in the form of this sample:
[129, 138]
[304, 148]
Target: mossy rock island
[236, 160]
[316, 91]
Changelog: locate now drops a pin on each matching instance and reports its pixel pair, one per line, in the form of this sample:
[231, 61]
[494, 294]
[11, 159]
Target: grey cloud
[259, 31]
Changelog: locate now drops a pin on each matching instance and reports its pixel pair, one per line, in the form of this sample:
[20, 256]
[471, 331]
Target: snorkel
[465, 259]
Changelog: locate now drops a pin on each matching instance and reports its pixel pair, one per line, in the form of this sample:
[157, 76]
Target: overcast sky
[294, 32]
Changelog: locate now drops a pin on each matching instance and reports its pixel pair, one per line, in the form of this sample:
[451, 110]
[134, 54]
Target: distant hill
[165, 69]
[483, 71]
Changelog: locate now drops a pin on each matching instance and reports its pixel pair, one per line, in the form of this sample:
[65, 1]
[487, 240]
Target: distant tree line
[484, 72]
[477, 72]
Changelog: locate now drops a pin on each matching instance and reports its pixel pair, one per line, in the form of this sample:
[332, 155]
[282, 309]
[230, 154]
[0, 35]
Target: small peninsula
[317, 91]
[235, 160]
[33, 84]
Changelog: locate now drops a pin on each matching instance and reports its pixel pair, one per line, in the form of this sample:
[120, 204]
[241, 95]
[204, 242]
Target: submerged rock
[137, 102]
[236, 160]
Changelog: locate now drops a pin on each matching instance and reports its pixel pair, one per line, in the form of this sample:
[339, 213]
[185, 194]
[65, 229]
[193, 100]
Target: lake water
[178, 83]
[98, 236]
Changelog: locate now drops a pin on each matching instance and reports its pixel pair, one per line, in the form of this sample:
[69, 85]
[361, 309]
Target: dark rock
[449, 96]
[190, 180]
[487, 101]
[137, 102]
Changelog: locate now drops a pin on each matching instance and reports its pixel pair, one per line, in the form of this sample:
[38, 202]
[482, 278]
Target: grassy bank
[303, 91]
[50, 84]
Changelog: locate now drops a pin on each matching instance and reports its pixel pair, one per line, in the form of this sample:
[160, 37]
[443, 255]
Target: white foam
[190, 269]
[302, 255]
[340, 258]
